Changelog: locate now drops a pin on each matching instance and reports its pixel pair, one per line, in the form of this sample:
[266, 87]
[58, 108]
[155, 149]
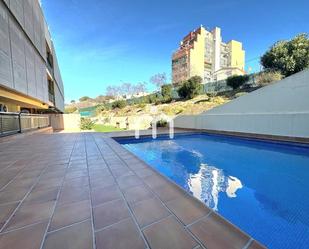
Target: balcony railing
[11, 123]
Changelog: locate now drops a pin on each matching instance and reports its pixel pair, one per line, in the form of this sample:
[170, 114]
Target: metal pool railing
[11, 123]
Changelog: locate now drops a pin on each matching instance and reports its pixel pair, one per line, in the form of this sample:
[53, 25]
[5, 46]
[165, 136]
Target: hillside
[193, 106]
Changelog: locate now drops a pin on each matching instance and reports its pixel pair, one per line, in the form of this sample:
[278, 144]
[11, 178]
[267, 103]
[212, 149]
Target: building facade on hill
[30, 79]
[203, 53]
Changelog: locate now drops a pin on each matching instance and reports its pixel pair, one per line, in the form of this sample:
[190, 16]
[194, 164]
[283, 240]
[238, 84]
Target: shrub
[190, 88]
[86, 124]
[143, 100]
[237, 81]
[141, 105]
[152, 98]
[119, 104]
[99, 109]
[70, 109]
[264, 78]
[166, 91]
[159, 100]
[162, 123]
[106, 120]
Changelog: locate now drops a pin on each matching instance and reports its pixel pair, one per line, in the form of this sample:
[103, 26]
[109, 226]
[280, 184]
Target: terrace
[84, 190]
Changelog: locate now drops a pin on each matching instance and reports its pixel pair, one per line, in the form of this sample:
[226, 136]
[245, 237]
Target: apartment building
[30, 79]
[203, 53]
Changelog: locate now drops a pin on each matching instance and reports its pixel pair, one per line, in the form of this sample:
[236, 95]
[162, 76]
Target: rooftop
[84, 190]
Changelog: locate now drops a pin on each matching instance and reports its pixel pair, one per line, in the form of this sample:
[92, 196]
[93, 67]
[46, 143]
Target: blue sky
[107, 42]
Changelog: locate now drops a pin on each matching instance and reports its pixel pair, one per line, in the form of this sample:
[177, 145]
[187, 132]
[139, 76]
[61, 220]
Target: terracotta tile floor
[84, 191]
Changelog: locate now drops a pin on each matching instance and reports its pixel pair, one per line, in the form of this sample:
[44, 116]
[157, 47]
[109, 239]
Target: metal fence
[11, 123]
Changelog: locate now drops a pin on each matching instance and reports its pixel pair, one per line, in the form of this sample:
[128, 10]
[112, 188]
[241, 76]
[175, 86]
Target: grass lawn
[105, 128]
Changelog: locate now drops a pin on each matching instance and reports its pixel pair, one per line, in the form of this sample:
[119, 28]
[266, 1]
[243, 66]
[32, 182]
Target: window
[51, 91]
[49, 57]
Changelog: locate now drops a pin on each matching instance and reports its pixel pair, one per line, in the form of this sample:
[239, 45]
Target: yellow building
[202, 53]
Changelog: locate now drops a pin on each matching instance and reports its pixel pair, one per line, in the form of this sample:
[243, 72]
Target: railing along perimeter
[11, 123]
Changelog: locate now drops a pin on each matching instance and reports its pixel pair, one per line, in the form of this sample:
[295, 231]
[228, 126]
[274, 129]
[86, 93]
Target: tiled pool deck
[84, 190]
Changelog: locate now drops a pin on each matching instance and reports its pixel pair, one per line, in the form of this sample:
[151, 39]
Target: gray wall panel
[42, 47]
[28, 14]
[36, 26]
[19, 73]
[17, 8]
[30, 69]
[7, 2]
[6, 77]
[4, 30]
[39, 71]
[57, 73]
[18, 56]
[47, 35]
[59, 99]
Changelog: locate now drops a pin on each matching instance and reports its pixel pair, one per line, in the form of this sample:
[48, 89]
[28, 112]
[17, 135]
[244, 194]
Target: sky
[100, 43]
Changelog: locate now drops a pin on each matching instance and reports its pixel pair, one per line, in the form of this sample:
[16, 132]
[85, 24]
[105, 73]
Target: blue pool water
[262, 187]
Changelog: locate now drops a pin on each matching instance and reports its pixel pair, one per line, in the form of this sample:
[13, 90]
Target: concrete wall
[141, 122]
[23, 33]
[280, 109]
[66, 122]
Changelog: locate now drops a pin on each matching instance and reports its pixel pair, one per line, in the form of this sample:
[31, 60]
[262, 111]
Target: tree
[113, 91]
[127, 88]
[140, 87]
[72, 101]
[85, 98]
[166, 91]
[190, 88]
[158, 79]
[288, 57]
[236, 81]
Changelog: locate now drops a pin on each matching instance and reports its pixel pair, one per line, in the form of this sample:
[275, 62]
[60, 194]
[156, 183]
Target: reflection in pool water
[209, 182]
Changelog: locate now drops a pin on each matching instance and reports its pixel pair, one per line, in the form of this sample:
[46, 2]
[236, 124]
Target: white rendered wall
[279, 109]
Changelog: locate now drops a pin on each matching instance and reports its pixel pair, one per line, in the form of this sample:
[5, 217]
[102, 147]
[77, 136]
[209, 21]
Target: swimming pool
[262, 187]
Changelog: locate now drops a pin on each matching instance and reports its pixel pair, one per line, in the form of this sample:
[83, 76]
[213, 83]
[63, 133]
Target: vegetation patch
[267, 77]
[70, 109]
[86, 124]
[119, 104]
[105, 128]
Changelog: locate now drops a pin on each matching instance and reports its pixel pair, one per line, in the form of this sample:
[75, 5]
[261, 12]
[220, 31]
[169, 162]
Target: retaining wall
[280, 109]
